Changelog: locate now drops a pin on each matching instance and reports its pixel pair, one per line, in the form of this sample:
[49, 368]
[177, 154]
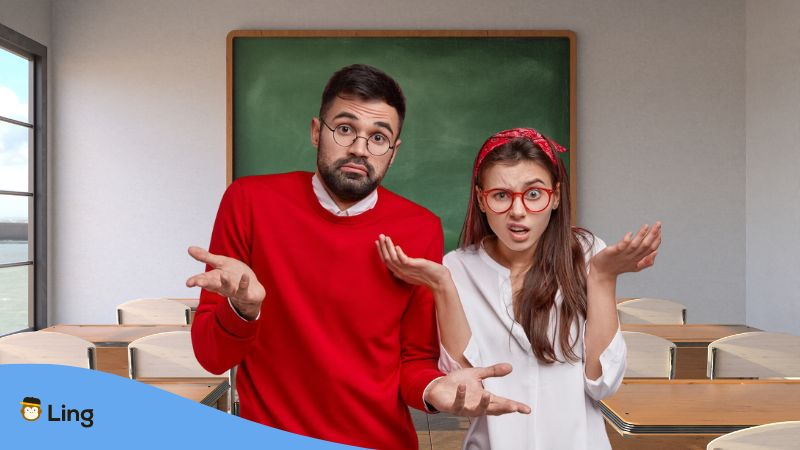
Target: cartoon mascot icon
[31, 408]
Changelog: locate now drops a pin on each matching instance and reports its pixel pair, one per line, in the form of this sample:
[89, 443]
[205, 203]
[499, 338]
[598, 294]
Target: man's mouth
[354, 168]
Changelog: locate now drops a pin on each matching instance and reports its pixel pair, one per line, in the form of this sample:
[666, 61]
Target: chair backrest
[649, 356]
[165, 355]
[757, 354]
[772, 436]
[153, 311]
[47, 347]
[651, 310]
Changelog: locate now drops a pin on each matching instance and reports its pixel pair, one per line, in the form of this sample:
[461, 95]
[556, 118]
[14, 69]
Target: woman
[525, 287]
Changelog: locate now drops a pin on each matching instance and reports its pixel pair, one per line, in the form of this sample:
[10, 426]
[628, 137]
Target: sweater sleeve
[220, 337]
[419, 342]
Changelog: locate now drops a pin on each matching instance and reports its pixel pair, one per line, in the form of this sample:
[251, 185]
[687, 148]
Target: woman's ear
[479, 197]
[556, 196]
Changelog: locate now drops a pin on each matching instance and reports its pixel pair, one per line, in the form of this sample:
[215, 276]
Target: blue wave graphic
[125, 414]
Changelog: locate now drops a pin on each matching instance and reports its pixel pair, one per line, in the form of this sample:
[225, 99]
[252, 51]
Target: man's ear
[315, 124]
[394, 152]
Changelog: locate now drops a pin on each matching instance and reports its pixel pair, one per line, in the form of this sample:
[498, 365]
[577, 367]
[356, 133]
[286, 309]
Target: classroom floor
[446, 432]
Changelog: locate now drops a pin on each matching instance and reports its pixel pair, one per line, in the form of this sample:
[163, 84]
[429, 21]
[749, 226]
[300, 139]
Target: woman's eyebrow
[534, 181]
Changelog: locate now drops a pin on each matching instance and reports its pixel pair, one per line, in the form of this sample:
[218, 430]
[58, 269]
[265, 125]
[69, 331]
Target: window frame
[37, 283]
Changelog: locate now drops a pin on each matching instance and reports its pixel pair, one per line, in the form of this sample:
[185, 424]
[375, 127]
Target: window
[23, 183]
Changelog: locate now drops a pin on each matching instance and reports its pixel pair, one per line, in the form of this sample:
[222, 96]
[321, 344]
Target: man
[328, 343]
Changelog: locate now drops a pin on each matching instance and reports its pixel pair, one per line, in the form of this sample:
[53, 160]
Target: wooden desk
[192, 303]
[112, 341]
[208, 391]
[439, 431]
[688, 414]
[692, 343]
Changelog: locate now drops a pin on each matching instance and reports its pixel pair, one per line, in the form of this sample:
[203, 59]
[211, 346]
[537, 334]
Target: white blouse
[565, 414]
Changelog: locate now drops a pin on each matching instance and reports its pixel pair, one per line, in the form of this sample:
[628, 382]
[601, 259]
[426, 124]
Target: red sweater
[341, 345]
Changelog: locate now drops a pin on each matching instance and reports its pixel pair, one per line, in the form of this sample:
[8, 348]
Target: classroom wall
[29, 17]
[773, 165]
[139, 152]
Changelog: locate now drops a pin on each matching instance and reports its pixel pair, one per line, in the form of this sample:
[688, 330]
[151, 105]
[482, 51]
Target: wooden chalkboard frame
[488, 34]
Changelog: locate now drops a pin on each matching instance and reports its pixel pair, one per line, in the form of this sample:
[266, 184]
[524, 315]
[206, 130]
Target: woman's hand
[631, 254]
[411, 270]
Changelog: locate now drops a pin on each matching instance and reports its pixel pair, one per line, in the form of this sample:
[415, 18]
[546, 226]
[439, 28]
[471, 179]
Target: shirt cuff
[239, 315]
[612, 369]
[448, 364]
[611, 359]
[428, 407]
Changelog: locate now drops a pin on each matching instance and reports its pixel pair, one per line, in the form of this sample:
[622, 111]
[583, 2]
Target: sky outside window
[14, 86]
[14, 139]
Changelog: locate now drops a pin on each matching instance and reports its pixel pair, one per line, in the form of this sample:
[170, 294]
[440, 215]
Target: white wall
[139, 158]
[28, 17]
[773, 165]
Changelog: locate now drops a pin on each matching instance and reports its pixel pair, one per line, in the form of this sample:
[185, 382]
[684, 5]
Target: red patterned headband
[504, 137]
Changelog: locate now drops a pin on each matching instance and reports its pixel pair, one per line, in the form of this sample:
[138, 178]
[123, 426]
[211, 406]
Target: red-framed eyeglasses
[535, 199]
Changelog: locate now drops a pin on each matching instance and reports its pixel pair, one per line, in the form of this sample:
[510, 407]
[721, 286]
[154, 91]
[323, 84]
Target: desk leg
[223, 403]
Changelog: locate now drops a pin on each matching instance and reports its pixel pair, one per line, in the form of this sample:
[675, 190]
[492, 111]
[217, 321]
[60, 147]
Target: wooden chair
[651, 310]
[772, 436]
[757, 354]
[649, 356]
[46, 347]
[170, 355]
[153, 311]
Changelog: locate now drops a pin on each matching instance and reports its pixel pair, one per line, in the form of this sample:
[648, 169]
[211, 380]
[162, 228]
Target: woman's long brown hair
[558, 259]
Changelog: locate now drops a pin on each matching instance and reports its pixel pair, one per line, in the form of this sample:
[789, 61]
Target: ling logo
[31, 408]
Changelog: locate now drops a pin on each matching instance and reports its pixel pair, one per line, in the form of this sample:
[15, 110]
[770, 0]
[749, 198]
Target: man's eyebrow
[346, 115]
[385, 125]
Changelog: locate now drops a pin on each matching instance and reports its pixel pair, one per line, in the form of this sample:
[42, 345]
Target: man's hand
[230, 278]
[461, 393]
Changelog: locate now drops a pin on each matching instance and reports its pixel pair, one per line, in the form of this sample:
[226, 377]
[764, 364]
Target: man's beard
[349, 186]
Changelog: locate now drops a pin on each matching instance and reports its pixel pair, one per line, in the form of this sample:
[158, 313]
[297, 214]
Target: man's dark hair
[366, 83]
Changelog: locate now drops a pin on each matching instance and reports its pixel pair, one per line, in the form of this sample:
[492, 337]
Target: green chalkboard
[461, 87]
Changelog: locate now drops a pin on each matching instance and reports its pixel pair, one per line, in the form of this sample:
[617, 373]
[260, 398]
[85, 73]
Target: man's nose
[359, 147]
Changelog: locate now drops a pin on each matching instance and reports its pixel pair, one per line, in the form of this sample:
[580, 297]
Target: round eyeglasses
[534, 199]
[345, 135]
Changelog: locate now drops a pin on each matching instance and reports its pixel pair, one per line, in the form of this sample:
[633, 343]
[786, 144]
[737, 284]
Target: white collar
[327, 202]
